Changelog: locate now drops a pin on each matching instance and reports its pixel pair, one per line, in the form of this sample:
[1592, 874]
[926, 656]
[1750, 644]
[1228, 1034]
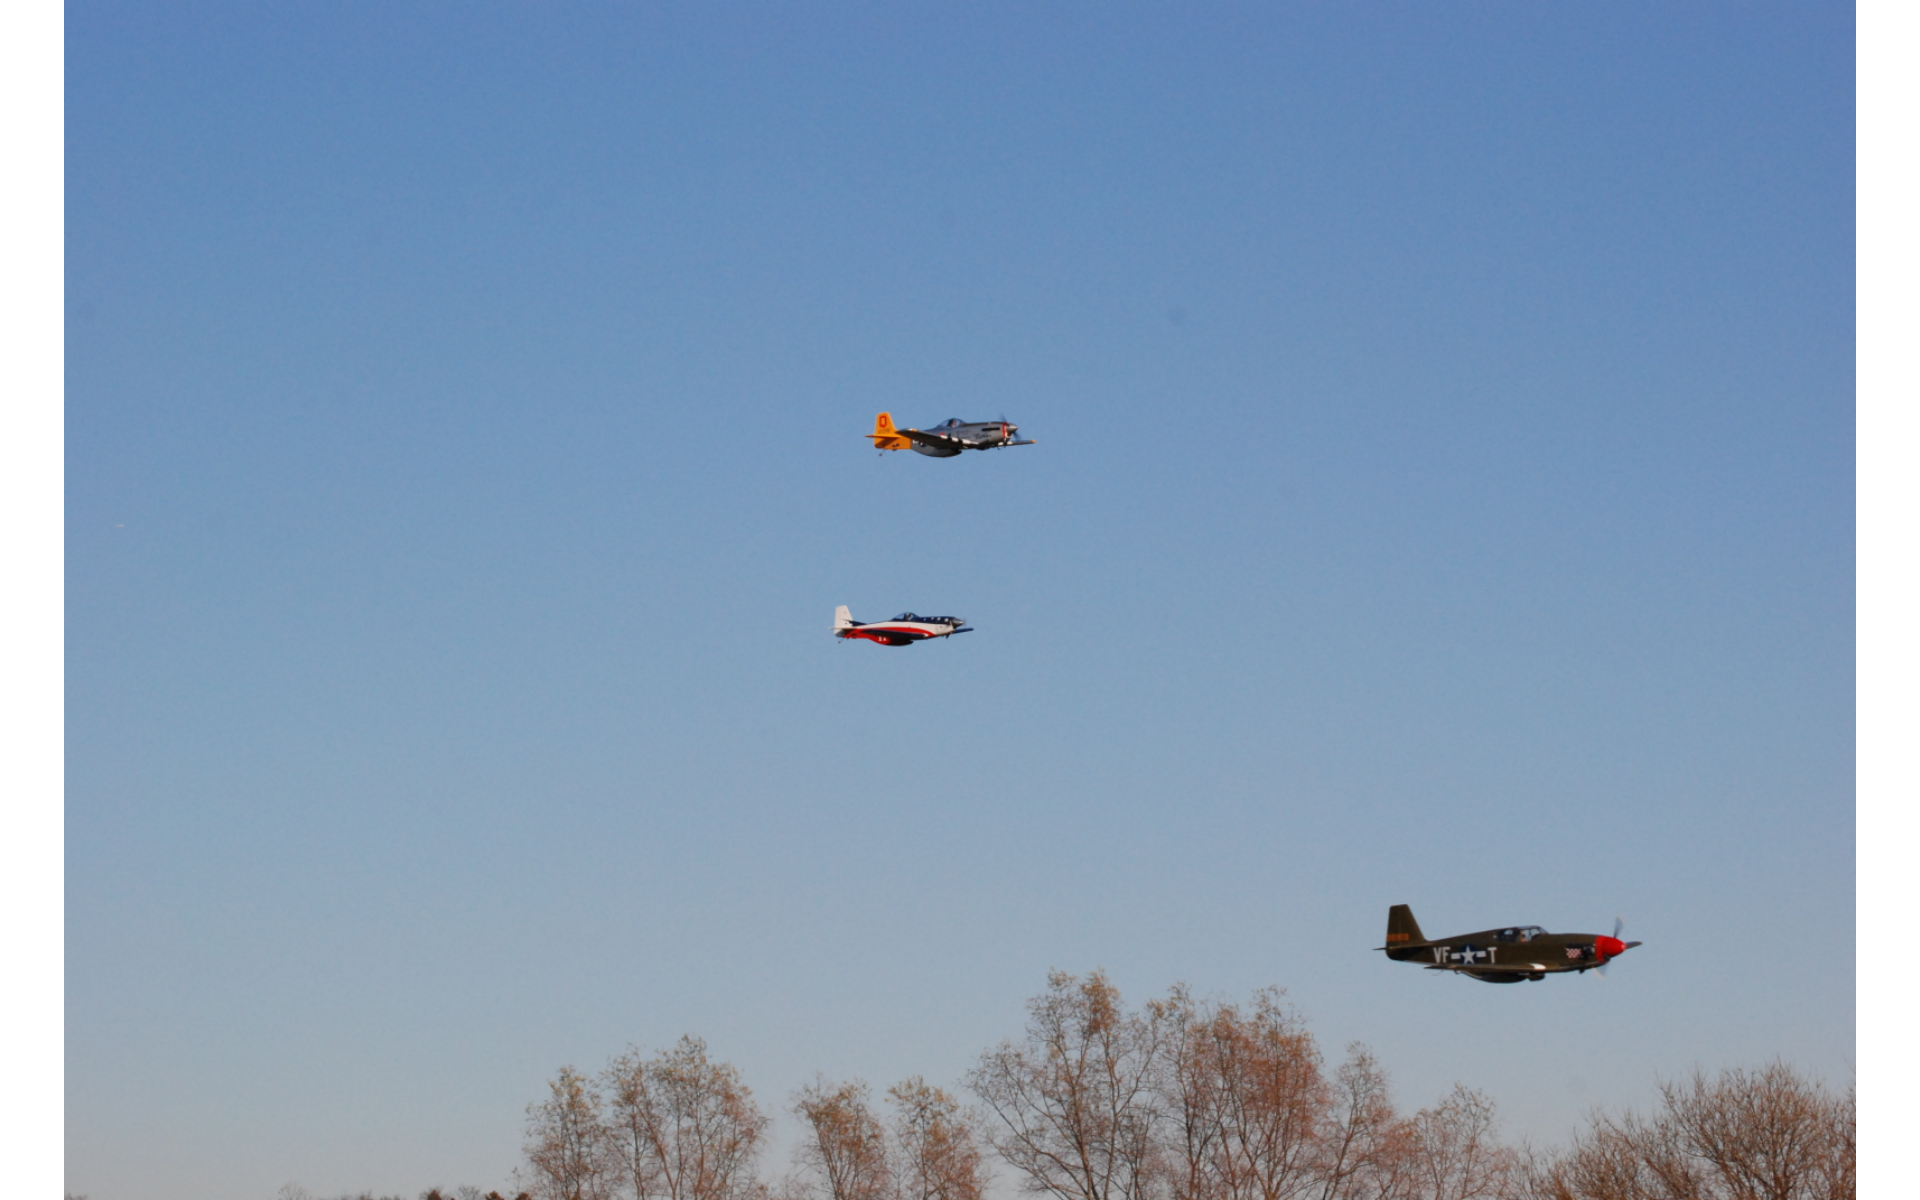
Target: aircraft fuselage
[1512, 954]
[947, 439]
[903, 630]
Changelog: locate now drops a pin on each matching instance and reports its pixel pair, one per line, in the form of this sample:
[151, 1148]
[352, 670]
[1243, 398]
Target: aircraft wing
[933, 439]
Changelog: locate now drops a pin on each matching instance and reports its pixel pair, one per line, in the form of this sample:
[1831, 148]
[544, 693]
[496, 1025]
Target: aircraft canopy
[1524, 933]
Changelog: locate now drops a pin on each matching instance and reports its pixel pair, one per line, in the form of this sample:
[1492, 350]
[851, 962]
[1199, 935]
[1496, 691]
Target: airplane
[947, 440]
[1502, 955]
[903, 630]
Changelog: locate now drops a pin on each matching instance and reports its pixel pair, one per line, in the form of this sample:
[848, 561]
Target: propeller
[1610, 948]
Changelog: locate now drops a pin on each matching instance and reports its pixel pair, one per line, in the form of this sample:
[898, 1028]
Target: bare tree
[634, 1125]
[1769, 1134]
[1455, 1153]
[1836, 1168]
[567, 1145]
[684, 1127]
[1245, 1098]
[848, 1146]
[1616, 1159]
[937, 1151]
[1075, 1102]
[1364, 1146]
[1765, 1135]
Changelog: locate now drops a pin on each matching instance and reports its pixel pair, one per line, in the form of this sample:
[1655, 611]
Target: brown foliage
[1183, 1100]
[1454, 1152]
[1192, 1101]
[1762, 1135]
[1364, 1147]
[567, 1144]
[938, 1152]
[848, 1146]
[682, 1126]
[1075, 1103]
[1245, 1097]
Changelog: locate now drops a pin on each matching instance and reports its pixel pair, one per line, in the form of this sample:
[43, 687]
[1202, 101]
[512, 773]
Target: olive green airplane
[1502, 955]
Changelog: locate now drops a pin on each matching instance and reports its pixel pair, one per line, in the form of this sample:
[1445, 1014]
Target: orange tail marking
[884, 437]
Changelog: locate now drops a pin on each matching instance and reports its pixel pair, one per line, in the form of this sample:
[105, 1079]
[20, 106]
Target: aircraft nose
[1609, 947]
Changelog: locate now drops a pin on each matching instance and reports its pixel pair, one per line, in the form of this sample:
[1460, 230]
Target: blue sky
[1444, 496]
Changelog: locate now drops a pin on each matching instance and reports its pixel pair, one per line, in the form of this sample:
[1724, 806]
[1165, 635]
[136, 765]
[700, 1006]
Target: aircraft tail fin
[842, 618]
[885, 436]
[1402, 929]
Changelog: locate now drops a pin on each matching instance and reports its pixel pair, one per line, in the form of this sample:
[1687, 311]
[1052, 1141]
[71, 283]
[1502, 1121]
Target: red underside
[886, 638]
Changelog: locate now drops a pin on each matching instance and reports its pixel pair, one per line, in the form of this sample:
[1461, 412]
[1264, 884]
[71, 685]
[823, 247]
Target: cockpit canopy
[1522, 933]
[907, 616]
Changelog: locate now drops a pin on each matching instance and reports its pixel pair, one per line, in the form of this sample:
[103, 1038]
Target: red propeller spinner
[1608, 948]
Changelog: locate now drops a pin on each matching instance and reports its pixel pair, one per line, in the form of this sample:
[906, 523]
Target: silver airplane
[946, 440]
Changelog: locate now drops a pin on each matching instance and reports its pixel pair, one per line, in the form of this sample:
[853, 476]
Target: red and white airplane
[903, 630]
